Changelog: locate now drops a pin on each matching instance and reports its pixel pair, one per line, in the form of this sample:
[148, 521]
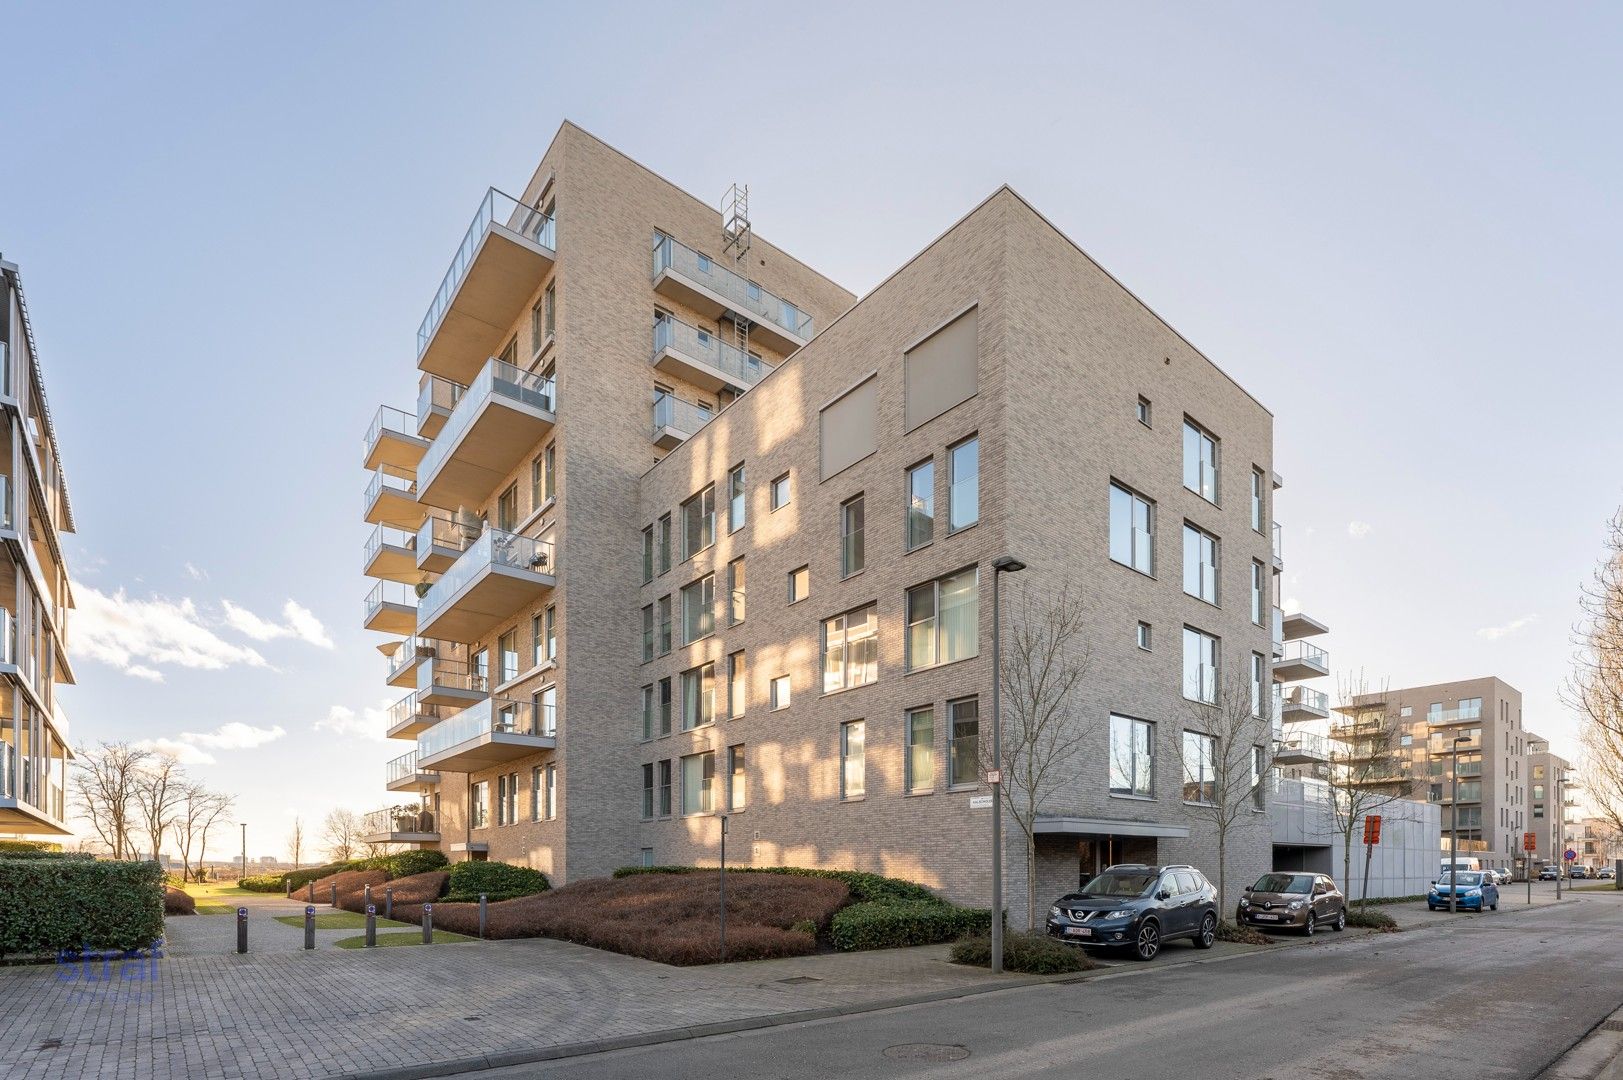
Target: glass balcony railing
[392, 420]
[388, 478]
[1303, 652]
[493, 548]
[683, 416]
[437, 393]
[8, 637]
[453, 675]
[743, 295]
[386, 535]
[1467, 715]
[398, 819]
[1306, 743]
[702, 345]
[411, 650]
[441, 530]
[498, 379]
[410, 708]
[1278, 629]
[496, 208]
[1305, 697]
[493, 716]
[5, 502]
[401, 768]
[389, 592]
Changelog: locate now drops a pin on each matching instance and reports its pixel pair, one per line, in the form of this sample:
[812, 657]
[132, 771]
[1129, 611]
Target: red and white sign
[1529, 841]
[994, 776]
[1372, 829]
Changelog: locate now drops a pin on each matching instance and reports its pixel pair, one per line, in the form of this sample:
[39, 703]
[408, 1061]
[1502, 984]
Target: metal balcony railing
[398, 819]
[1305, 697]
[1306, 653]
[390, 535]
[442, 530]
[453, 675]
[1308, 743]
[743, 295]
[494, 547]
[390, 419]
[495, 208]
[497, 379]
[390, 478]
[389, 592]
[683, 416]
[412, 650]
[703, 345]
[401, 768]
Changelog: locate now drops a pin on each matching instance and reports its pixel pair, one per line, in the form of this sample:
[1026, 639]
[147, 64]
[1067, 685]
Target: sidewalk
[1599, 1056]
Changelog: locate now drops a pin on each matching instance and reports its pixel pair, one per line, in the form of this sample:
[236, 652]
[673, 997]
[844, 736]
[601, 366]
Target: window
[647, 633]
[538, 641]
[1199, 563]
[1199, 768]
[1144, 636]
[1143, 412]
[964, 745]
[699, 522]
[737, 686]
[665, 705]
[737, 781]
[920, 760]
[851, 759]
[1132, 757]
[664, 789]
[851, 649]
[1259, 511]
[1199, 666]
[1407, 710]
[1470, 708]
[543, 472]
[780, 492]
[648, 711]
[735, 591]
[943, 620]
[737, 503]
[507, 655]
[648, 790]
[664, 625]
[964, 478]
[920, 504]
[545, 702]
[549, 308]
[481, 670]
[507, 509]
[852, 556]
[1132, 529]
[698, 696]
[698, 777]
[664, 543]
[1259, 592]
[550, 621]
[502, 801]
[699, 609]
[549, 790]
[479, 803]
[538, 322]
[1434, 712]
[1199, 461]
[648, 555]
[779, 692]
[1259, 680]
[799, 584]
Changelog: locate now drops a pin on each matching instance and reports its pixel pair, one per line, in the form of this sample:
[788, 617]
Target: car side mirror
[1163, 895]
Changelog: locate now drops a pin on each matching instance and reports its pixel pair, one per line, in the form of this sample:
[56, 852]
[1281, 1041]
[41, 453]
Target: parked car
[1140, 908]
[1578, 871]
[1477, 891]
[1606, 872]
[1549, 873]
[1288, 900]
[1504, 875]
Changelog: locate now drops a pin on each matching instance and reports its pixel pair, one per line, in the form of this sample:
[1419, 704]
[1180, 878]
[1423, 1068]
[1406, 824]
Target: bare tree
[159, 790]
[296, 841]
[1044, 661]
[341, 830]
[199, 811]
[1595, 689]
[105, 779]
[1228, 754]
[1603, 774]
[1366, 771]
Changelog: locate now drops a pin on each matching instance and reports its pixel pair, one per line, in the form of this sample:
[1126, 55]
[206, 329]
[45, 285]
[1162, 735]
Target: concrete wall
[1305, 837]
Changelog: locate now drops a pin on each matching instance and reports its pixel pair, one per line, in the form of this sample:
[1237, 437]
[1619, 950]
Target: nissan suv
[1138, 908]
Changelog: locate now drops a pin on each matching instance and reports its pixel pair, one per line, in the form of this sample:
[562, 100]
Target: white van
[1463, 863]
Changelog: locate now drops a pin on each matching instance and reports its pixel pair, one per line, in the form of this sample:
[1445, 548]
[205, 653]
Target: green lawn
[216, 909]
[216, 889]
[402, 937]
[340, 920]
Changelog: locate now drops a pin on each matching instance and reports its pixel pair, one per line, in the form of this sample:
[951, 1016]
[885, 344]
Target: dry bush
[414, 890]
[177, 902]
[348, 881]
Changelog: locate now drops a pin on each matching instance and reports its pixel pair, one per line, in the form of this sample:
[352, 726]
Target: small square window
[799, 584]
[780, 492]
[1144, 636]
[1144, 410]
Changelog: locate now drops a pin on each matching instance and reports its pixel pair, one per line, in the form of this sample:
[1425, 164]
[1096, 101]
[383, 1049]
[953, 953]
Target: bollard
[388, 901]
[481, 916]
[287, 888]
[312, 897]
[242, 930]
[309, 927]
[367, 899]
[371, 927]
[334, 894]
[428, 924]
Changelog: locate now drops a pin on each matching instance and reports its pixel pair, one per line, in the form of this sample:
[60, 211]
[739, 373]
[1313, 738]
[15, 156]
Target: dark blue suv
[1138, 907]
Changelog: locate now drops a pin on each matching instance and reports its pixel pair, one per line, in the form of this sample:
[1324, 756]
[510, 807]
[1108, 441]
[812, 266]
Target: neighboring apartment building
[1599, 843]
[662, 599]
[35, 595]
[1550, 797]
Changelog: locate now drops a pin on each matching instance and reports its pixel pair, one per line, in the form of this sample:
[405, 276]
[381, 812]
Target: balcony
[500, 418]
[400, 825]
[436, 397]
[450, 684]
[391, 608]
[32, 801]
[391, 554]
[1303, 703]
[1279, 547]
[712, 290]
[1305, 748]
[404, 773]
[391, 498]
[1444, 717]
[442, 538]
[703, 359]
[504, 256]
[1298, 625]
[498, 574]
[489, 733]
[405, 656]
[392, 439]
[676, 420]
[411, 716]
[1299, 660]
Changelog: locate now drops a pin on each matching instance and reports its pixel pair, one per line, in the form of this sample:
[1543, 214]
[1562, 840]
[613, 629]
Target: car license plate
[1267, 918]
[1078, 931]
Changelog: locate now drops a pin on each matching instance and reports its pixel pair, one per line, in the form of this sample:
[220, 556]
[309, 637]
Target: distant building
[1549, 788]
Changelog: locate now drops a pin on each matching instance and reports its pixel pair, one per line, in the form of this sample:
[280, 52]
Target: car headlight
[1294, 905]
[1245, 902]
[1473, 892]
[1119, 913]
[1053, 912]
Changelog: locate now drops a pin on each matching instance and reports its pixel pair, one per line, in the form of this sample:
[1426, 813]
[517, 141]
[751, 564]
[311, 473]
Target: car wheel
[1148, 945]
[1307, 929]
[1493, 907]
[1208, 932]
[1341, 920]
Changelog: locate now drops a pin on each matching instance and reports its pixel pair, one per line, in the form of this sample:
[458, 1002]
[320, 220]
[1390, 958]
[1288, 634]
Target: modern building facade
[1404, 863]
[35, 593]
[681, 532]
[1553, 815]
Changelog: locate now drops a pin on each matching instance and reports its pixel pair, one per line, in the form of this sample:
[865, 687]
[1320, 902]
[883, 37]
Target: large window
[920, 504]
[1259, 684]
[664, 789]
[544, 476]
[943, 620]
[737, 501]
[507, 655]
[665, 705]
[699, 522]
[648, 711]
[664, 543]
[851, 649]
[852, 773]
[648, 790]
[737, 684]
[549, 793]
[737, 778]
[853, 557]
[1132, 757]
[1259, 592]
[1199, 461]
[648, 633]
[1199, 666]
[1470, 708]
[1259, 772]
[507, 509]
[1199, 563]
[504, 801]
[1199, 768]
[698, 779]
[920, 750]
[963, 493]
[549, 620]
[1259, 512]
[479, 803]
[545, 702]
[698, 696]
[699, 609]
[648, 555]
[964, 742]
[1132, 529]
[735, 591]
[664, 625]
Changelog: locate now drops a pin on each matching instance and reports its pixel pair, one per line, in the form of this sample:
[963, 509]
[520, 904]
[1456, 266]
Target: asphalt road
[1500, 995]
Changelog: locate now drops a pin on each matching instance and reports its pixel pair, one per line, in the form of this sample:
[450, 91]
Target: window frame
[698, 688]
[704, 522]
[936, 620]
[1135, 501]
[853, 553]
[737, 498]
[1216, 665]
[848, 646]
[1205, 774]
[777, 700]
[911, 748]
[705, 760]
[954, 781]
[1132, 726]
[737, 591]
[781, 493]
[848, 793]
[1203, 438]
[1203, 540]
[912, 516]
[953, 481]
[737, 777]
[794, 597]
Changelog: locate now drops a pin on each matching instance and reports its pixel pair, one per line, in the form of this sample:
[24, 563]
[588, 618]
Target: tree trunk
[1222, 871]
[1031, 883]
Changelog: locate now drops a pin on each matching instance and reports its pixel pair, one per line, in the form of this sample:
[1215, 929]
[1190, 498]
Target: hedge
[400, 864]
[497, 880]
[272, 883]
[863, 886]
[890, 924]
[31, 848]
[178, 902]
[1030, 954]
[66, 905]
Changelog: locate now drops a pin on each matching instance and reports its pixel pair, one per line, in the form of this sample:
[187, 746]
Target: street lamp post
[244, 825]
[1558, 827]
[1005, 564]
[1454, 830]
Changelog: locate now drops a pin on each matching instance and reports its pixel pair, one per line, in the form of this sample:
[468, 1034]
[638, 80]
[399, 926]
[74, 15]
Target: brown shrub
[348, 881]
[178, 902]
[414, 890]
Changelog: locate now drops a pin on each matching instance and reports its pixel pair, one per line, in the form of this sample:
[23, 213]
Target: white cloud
[192, 747]
[1494, 633]
[301, 624]
[121, 631]
[370, 723]
[141, 671]
[196, 573]
[183, 752]
[1358, 529]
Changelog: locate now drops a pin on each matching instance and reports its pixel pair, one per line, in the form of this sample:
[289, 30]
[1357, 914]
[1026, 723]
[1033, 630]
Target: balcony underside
[1299, 755]
[414, 781]
[396, 448]
[20, 817]
[391, 562]
[667, 437]
[394, 837]
[391, 618]
[395, 507]
[489, 749]
[1296, 669]
[432, 420]
[1298, 625]
[506, 270]
[492, 596]
[706, 376]
[413, 726]
[498, 438]
[1291, 712]
[701, 298]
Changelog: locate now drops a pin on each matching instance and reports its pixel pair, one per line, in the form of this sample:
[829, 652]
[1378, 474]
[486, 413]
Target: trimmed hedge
[31, 849]
[1031, 954]
[863, 886]
[401, 864]
[66, 905]
[271, 883]
[1372, 920]
[497, 880]
[887, 924]
[298, 879]
[178, 902]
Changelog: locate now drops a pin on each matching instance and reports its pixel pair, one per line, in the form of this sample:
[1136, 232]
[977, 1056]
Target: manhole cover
[796, 980]
[926, 1052]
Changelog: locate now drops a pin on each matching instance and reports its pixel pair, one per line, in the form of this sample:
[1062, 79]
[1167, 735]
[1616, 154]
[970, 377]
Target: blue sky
[1397, 226]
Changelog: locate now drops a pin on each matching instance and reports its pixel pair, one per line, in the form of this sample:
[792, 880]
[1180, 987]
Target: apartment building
[682, 534]
[1600, 843]
[1553, 814]
[35, 594]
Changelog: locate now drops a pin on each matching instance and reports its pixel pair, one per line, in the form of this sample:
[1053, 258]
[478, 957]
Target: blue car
[1477, 891]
